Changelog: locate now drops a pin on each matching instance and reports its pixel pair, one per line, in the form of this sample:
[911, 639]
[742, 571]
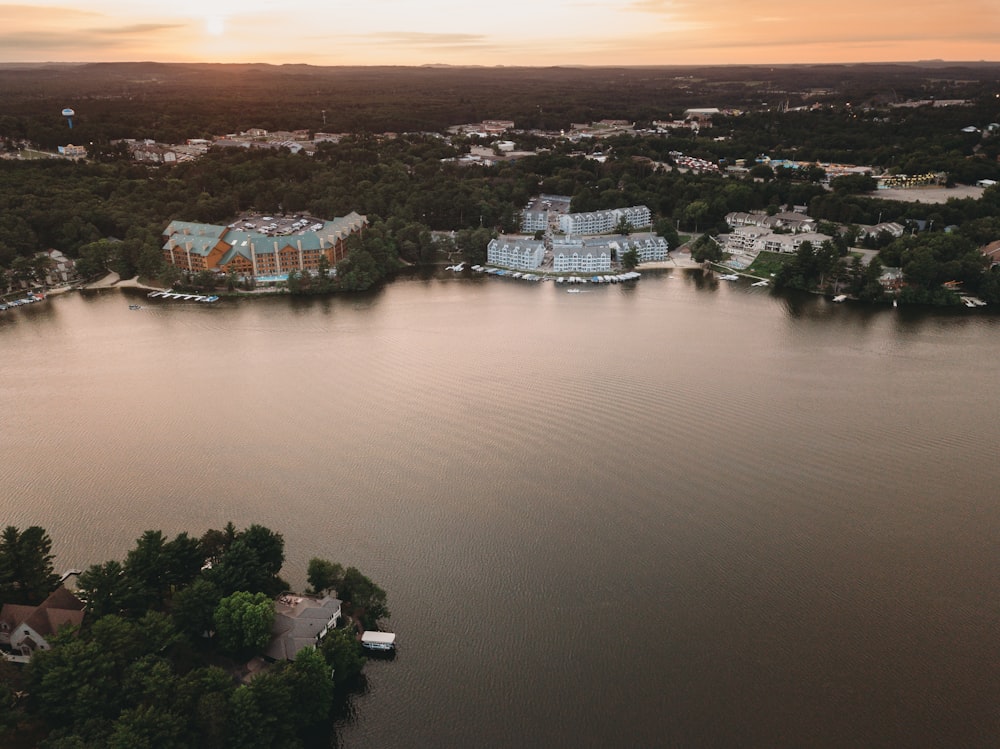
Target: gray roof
[298, 621]
[203, 237]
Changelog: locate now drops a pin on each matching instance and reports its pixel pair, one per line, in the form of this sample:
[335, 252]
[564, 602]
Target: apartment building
[579, 256]
[520, 253]
[602, 222]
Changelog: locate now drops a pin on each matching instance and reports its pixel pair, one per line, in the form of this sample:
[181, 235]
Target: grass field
[768, 263]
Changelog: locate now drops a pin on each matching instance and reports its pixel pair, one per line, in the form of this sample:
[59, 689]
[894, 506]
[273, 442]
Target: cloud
[10, 12]
[136, 28]
[427, 39]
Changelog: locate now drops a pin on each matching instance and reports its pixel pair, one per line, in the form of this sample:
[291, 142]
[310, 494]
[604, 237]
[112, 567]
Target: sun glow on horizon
[215, 25]
[521, 32]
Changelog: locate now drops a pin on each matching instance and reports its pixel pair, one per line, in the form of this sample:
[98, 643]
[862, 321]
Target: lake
[672, 513]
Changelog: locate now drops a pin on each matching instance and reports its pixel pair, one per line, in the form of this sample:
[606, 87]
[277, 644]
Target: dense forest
[159, 656]
[110, 213]
[171, 102]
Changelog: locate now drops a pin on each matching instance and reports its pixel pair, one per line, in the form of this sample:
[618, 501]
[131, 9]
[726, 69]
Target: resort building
[649, 247]
[543, 212]
[73, 152]
[602, 222]
[579, 256]
[515, 252]
[259, 252]
[789, 221]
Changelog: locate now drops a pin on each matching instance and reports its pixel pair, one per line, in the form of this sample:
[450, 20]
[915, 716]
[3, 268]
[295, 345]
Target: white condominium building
[574, 255]
[649, 247]
[602, 222]
[515, 252]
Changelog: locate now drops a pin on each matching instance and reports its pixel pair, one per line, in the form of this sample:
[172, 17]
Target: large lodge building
[255, 253]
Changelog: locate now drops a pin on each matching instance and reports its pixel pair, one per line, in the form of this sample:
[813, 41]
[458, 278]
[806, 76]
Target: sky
[508, 32]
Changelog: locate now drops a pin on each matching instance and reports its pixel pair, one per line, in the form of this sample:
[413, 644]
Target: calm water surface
[673, 514]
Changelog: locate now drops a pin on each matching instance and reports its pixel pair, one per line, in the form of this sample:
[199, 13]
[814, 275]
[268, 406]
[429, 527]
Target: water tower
[68, 114]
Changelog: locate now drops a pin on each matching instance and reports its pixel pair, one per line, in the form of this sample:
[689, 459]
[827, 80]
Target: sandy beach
[113, 280]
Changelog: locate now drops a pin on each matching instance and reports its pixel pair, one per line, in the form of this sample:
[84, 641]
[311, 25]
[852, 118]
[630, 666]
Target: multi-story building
[543, 212]
[602, 222]
[515, 252]
[578, 256]
[197, 247]
[789, 220]
[649, 247]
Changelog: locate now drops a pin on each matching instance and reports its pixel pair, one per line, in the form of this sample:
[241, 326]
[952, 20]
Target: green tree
[243, 622]
[26, 573]
[366, 598]
[696, 212]
[324, 575]
[706, 248]
[193, 607]
[623, 227]
[852, 184]
[311, 685]
[149, 727]
[251, 563]
[104, 589]
[630, 258]
[344, 654]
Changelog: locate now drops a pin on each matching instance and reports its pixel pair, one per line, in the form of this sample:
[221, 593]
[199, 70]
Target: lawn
[768, 263]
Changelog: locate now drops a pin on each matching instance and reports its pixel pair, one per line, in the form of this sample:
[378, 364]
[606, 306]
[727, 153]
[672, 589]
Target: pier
[183, 297]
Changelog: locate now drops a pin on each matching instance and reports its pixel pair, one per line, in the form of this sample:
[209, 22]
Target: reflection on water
[673, 513]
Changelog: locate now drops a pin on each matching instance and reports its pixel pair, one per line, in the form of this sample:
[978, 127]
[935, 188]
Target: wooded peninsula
[187, 642]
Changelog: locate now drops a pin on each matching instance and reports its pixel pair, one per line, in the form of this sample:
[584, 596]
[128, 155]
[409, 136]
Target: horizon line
[926, 62]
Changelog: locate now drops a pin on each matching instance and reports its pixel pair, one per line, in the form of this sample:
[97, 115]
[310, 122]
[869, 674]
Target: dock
[207, 299]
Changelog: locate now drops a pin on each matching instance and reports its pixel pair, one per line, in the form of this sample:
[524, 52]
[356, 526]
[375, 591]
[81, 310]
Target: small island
[187, 642]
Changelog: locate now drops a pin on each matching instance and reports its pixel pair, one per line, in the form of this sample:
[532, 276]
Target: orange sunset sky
[509, 32]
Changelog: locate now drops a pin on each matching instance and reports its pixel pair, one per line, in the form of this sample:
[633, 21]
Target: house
[60, 268]
[794, 221]
[891, 227]
[992, 252]
[300, 622]
[25, 629]
[891, 278]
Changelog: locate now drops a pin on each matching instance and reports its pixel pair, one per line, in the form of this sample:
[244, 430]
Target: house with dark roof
[299, 622]
[992, 252]
[25, 629]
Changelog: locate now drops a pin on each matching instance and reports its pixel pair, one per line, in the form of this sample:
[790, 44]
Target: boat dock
[383, 641]
[183, 297]
[546, 276]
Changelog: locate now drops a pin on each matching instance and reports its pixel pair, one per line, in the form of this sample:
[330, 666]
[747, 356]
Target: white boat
[840, 298]
[729, 277]
[761, 283]
[574, 291]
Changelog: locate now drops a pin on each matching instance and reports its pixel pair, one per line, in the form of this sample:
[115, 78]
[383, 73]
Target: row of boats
[30, 299]
[183, 297]
[608, 278]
